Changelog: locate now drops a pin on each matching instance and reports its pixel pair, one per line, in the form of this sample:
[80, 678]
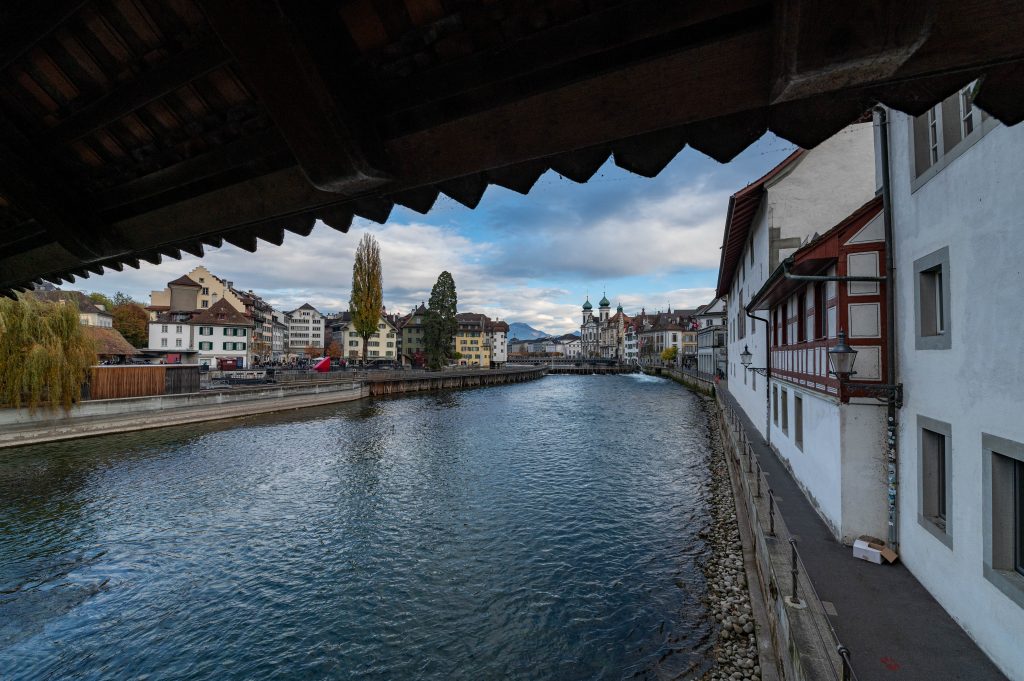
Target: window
[932, 301]
[206, 290]
[177, 329]
[775, 403]
[934, 461]
[798, 421]
[785, 412]
[820, 311]
[801, 317]
[933, 136]
[177, 342]
[1003, 515]
[205, 303]
[163, 342]
[966, 111]
[163, 328]
[205, 345]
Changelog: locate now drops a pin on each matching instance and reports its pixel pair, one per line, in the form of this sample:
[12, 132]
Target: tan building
[471, 340]
[382, 346]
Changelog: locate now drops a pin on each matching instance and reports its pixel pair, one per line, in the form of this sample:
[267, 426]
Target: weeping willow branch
[44, 354]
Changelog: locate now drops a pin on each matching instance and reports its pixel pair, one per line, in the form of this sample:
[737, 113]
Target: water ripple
[546, 530]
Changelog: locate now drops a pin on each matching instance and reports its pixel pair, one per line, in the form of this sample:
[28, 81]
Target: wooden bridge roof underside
[136, 129]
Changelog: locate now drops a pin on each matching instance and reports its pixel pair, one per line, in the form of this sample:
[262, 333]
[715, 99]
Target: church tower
[587, 314]
[605, 310]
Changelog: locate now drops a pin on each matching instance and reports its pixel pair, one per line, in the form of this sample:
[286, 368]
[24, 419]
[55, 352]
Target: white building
[381, 346]
[711, 338]
[223, 333]
[956, 179]
[279, 342]
[631, 345]
[808, 192]
[831, 434]
[306, 329]
[497, 336]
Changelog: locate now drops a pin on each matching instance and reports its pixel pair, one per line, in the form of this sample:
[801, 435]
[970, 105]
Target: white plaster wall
[156, 334]
[975, 207]
[833, 180]
[817, 468]
[865, 487]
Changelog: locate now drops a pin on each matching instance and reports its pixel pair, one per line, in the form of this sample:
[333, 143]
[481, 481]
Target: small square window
[932, 301]
[935, 501]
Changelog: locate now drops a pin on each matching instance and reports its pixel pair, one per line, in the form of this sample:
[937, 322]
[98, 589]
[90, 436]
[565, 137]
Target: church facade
[604, 336]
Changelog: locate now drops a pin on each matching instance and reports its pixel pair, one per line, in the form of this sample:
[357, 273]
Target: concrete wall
[865, 506]
[973, 206]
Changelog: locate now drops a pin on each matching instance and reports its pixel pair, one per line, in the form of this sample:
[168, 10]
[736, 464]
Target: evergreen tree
[367, 299]
[44, 353]
[440, 324]
[121, 298]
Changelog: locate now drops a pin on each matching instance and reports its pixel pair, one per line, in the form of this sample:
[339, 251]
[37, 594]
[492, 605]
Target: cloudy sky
[647, 242]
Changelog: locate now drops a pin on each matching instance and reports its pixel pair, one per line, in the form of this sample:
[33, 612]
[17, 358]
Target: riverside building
[956, 206]
[766, 222]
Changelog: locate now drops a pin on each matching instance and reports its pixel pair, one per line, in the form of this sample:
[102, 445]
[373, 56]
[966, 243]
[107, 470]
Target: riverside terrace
[140, 129]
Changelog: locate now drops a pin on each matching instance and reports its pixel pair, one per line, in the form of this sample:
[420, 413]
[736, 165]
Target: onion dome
[587, 305]
[604, 302]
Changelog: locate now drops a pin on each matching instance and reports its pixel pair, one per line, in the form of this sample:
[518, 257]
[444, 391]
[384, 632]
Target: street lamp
[746, 357]
[841, 357]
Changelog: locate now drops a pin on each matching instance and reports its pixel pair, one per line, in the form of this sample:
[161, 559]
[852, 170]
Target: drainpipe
[767, 374]
[788, 262]
[890, 329]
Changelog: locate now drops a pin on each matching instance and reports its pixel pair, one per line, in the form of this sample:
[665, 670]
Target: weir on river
[546, 529]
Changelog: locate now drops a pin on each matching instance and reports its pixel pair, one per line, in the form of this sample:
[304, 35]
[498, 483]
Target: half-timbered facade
[831, 439]
[766, 222]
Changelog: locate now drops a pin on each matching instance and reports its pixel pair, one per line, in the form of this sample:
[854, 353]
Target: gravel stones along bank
[735, 646]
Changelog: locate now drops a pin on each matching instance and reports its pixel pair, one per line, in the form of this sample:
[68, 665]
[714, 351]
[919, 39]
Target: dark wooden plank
[147, 87]
[279, 68]
[23, 24]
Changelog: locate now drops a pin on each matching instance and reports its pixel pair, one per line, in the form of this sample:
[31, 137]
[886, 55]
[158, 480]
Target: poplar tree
[44, 353]
[440, 324]
[367, 299]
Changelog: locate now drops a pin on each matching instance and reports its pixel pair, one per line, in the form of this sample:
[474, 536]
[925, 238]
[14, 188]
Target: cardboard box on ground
[873, 550]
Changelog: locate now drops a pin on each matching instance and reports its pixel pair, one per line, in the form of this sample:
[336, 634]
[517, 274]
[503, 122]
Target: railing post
[795, 598]
[771, 513]
[758, 495]
[844, 654]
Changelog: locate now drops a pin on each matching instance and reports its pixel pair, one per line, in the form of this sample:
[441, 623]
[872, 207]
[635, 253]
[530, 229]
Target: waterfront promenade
[892, 625]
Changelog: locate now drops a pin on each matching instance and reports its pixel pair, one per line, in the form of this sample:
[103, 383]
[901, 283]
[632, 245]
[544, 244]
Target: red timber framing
[806, 316]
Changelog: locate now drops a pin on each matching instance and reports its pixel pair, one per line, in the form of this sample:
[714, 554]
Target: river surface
[543, 530]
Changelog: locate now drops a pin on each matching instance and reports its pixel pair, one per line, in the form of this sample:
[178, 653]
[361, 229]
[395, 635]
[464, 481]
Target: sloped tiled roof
[221, 313]
[184, 280]
[109, 342]
[84, 303]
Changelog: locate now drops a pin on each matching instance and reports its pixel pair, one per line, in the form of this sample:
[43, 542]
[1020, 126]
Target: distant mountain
[524, 331]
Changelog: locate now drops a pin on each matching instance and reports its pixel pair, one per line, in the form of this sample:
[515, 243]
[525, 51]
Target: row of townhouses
[866, 299]
[202, 318]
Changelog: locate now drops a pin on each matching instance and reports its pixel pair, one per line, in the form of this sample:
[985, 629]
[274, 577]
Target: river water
[544, 530]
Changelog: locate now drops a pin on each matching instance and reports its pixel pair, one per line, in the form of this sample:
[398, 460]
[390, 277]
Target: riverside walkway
[892, 625]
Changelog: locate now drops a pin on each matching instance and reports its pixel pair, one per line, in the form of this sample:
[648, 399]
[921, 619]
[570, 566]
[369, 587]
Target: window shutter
[921, 159]
[950, 122]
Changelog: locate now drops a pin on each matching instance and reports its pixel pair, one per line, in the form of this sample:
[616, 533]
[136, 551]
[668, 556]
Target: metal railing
[739, 446]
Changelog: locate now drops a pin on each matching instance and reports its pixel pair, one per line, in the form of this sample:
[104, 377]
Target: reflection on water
[539, 530]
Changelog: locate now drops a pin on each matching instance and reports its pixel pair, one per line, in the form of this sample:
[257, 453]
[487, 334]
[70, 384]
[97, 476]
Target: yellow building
[471, 341]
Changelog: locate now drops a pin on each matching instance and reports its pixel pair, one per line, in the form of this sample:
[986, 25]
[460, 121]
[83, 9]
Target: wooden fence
[111, 382]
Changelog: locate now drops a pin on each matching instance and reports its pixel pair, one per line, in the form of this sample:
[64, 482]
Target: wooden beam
[242, 153]
[29, 181]
[327, 138]
[24, 24]
[165, 78]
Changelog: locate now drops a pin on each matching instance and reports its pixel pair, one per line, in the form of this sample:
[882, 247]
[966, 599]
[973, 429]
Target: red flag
[323, 366]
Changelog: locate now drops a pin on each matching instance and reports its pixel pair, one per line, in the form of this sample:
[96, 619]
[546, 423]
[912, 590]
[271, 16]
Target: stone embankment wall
[798, 631]
[103, 417]
[420, 381]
